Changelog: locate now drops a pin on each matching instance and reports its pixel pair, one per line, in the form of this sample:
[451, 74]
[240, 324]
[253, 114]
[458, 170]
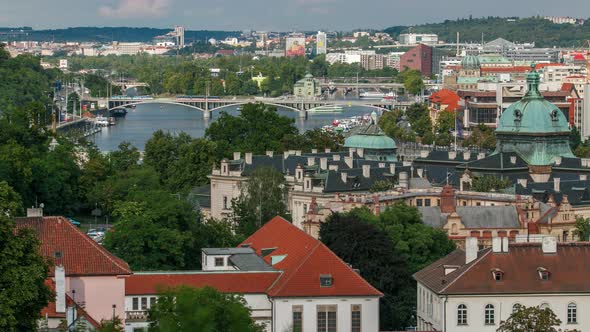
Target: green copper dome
[533, 114]
[373, 142]
[534, 128]
[470, 62]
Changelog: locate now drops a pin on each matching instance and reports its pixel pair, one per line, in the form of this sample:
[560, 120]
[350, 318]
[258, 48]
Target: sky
[275, 15]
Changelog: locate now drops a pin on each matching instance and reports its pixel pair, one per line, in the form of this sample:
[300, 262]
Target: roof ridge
[100, 248]
[473, 263]
[298, 267]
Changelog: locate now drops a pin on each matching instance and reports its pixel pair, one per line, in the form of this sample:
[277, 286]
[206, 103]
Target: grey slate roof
[250, 262]
[431, 216]
[227, 251]
[489, 216]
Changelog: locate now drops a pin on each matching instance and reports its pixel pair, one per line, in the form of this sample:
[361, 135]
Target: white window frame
[462, 314]
[489, 314]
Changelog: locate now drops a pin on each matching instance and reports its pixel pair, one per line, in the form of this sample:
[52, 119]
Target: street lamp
[114, 307]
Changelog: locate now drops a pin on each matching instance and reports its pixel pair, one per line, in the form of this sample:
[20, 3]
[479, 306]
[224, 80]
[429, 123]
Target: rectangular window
[427, 202]
[144, 303]
[225, 202]
[152, 301]
[219, 261]
[297, 318]
[419, 202]
[326, 320]
[356, 318]
[135, 305]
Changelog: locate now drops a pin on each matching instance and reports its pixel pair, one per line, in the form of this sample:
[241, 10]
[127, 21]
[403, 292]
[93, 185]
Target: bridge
[207, 105]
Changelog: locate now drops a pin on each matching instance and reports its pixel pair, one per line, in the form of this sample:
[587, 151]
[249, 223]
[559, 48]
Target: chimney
[403, 180]
[336, 157]
[286, 154]
[420, 172]
[556, 184]
[367, 171]
[583, 177]
[522, 182]
[452, 155]
[333, 167]
[248, 158]
[447, 200]
[471, 249]
[549, 245]
[360, 152]
[505, 244]
[348, 161]
[392, 168]
[481, 155]
[298, 152]
[328, 150]
[237, 155]
[466, 155]
[351, 152]
[35, 212]
[324, 163]
[513, 160]
[270, 153]
[497, 244]
[424, 153]
[558, 161]
[310, 161]
[60, 289]
[314, 151]
[343, 176]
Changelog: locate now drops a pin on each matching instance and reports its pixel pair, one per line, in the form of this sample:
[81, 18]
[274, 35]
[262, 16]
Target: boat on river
[327, 109]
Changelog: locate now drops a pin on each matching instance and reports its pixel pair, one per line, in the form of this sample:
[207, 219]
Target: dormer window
[544, 274]
[219, 261]
[497, 274]
[326, 280]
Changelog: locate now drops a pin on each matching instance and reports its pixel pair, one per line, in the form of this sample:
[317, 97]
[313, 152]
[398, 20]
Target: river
[139, 124]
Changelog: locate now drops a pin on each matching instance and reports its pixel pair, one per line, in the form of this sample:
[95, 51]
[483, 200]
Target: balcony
[136, 316]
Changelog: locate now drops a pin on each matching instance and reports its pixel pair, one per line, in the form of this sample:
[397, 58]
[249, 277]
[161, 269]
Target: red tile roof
[305, 259]
[446, 97]
[224, 281]
[568, 271]
[80, 255]
[51, 311]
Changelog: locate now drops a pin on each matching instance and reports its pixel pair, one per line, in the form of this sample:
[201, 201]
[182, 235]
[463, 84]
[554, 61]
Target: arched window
[489, 315]
[572, 313]
[516, 307]
[461, 314]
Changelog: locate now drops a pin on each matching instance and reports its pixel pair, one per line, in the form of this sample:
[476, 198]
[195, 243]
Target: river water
[139, 124]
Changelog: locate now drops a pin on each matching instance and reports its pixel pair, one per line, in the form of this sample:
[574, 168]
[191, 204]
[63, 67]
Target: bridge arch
[158, 101]
[250, 102]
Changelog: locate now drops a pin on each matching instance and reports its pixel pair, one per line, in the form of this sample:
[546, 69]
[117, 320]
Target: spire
[533, 80]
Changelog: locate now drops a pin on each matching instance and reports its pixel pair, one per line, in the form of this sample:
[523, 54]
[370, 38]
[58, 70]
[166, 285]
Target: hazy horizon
[232, 15]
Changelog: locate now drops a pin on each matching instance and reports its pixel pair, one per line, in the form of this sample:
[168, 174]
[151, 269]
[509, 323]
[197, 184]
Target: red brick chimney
[447, 200]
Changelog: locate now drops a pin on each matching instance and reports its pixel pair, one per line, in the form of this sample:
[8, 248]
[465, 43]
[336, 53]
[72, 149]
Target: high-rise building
[321, 43]
[179, 34]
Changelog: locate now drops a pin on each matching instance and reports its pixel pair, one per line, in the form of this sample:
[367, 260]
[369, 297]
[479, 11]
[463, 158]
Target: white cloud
[136, 9]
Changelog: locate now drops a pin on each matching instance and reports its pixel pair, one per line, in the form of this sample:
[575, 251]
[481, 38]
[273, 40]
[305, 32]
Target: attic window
[57, 254]
[497, 274]
[326, 280]
[267, 251]
[543, 273]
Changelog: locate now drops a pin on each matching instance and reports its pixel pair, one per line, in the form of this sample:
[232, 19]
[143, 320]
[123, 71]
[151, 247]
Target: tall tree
[369, 249]
[187, 309]
[583, 228]
[23, 271]
[262, 197]
[257, 129]
[530, 319]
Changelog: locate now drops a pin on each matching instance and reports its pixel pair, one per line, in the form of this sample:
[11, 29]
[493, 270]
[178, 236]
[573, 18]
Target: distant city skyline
[269, 14]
